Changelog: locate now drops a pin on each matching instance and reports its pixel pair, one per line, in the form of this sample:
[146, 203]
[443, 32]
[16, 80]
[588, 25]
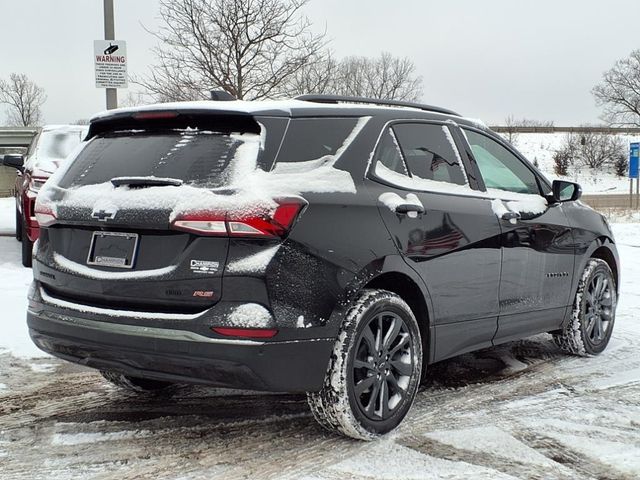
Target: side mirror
[565, 191]
[14, 161]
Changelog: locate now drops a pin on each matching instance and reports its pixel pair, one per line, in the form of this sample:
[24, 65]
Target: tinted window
[196, 157]
[500, 168]
[429, 152]
[388, 154]
[313, 138]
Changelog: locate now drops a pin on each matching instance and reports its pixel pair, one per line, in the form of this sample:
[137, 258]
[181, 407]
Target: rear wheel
[374, 371]
[27, 247]
[18, 226]
[589, 329]
[135, 384]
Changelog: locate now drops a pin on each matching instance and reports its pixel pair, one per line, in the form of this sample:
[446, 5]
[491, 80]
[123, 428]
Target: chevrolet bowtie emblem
[103, 215]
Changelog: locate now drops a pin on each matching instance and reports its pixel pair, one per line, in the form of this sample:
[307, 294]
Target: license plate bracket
[113, 249]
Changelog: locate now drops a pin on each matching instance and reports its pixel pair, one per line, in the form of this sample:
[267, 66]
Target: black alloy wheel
[599, 307]
[382, 366]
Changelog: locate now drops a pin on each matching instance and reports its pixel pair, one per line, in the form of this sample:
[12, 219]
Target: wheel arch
[404, 286]
[602, 252]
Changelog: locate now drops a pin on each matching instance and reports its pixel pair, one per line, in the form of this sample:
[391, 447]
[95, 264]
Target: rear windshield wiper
[146, 182]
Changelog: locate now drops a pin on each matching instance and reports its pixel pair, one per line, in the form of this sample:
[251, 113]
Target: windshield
[54, 146]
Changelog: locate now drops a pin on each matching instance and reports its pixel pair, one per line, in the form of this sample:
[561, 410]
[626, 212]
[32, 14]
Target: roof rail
[390, 103]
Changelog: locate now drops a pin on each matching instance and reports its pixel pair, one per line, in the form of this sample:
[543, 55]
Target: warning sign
[110, 59]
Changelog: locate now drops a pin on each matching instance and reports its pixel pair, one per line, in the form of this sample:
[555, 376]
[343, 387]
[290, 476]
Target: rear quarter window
[310, 139]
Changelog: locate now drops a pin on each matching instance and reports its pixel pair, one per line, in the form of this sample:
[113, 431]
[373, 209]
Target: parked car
[328, 245]
[47, 150]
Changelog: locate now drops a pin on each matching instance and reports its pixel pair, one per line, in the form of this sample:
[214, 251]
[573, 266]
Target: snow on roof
[285, 107]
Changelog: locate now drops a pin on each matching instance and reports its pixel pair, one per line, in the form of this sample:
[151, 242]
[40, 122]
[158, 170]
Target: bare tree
[385, 77]
[510, 133]
[619, 92]
[249, 48]
[597, 150]
[513, 126]
[592, 150]
[24, 99]
[319, 75]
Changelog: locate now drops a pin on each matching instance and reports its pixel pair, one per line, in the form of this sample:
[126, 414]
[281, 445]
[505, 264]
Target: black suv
[329, 245]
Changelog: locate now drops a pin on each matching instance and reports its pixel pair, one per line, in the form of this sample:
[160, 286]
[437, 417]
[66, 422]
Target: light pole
[110, 34]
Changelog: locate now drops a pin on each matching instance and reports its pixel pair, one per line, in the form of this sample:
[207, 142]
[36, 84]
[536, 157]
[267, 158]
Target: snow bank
[7, 216]
[13, 298]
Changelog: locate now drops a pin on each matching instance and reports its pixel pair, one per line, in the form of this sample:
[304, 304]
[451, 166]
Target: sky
[490, 59]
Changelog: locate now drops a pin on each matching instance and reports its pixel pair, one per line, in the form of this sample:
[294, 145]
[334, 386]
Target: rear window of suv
[199, 158]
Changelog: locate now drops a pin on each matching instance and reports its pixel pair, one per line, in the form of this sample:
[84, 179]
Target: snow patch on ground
[491, 440]
[540, 147]
[94, 437]
[389, 461]
[13, 298]
[7, 216]
[42, 367]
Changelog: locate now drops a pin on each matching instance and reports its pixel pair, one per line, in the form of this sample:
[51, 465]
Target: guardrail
[596, 129]
[16, 136]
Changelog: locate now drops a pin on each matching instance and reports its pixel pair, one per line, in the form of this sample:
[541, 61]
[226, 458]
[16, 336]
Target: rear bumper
[179, 356]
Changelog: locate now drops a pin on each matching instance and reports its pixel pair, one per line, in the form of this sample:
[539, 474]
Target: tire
[18, 226]
[137, 385]
[27, 248]
[366, 394]
[589, 329]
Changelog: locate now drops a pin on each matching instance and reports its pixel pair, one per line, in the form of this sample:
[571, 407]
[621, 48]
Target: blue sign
[634, 155]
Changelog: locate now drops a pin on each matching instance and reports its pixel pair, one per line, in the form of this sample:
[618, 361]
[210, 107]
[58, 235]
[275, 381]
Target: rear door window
[430, 152]
[413, 155]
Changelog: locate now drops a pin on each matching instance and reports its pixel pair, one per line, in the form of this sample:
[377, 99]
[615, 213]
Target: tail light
[239, 224]
[45, 214]
[36, 183]
[246, 332]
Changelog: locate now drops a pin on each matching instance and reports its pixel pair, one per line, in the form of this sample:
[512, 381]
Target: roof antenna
[221, 96]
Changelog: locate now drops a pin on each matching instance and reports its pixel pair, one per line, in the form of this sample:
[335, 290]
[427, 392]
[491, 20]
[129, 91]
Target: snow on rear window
[248, 188]
[198, 158]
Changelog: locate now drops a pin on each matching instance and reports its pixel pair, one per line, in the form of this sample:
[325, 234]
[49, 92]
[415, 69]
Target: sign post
[634, 160]
[110, 58]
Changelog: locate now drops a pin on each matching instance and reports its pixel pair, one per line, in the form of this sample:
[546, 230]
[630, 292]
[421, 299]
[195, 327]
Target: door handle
[406, 208]
[512, 217]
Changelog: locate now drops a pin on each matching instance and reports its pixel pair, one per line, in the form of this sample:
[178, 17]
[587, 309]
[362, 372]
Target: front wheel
[374, 371]
[594, 311]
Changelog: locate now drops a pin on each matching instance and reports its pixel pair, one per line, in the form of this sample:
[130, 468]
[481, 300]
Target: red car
[47, 150]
